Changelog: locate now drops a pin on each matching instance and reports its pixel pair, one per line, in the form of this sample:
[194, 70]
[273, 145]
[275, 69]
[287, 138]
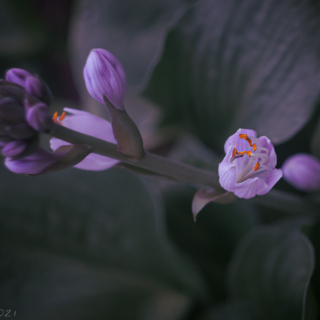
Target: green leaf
[75, 241]
[236, 64]
[272, 267]
[211, 240]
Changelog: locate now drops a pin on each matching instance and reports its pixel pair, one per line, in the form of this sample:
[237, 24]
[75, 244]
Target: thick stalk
[162, 166]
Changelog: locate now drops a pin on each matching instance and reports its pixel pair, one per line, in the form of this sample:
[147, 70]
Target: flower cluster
[24, 101]
[248, 169]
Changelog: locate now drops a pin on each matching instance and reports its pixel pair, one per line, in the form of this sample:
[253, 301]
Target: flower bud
[303, 172]
[39, 118]
[104, 75]
[17, 76]
[14, 148]
[33, 85]
[37, 88]
[11, 111]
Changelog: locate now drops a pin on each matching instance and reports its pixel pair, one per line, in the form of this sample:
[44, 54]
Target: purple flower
[34, 163]
[248, 169]
[303, 172]
[104, 75]
[92, 125]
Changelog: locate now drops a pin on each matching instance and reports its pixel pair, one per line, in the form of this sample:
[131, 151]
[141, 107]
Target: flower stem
[177, 171]
[159, 165]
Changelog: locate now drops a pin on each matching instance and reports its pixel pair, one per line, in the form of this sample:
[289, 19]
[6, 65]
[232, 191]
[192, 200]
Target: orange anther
[248, 153]
[55, 117]
[256, 166]
[62, 116]
[234, 152]
[254, 147]
[243, 136]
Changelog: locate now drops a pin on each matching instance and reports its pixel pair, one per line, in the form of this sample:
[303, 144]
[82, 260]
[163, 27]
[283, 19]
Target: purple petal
[303, 172]
[37, 116]
[17, 76]
[14, 148]
[92, 125]
[33, 164]
[271, 177]
[250, 188]
[104, 75]
[266, 143]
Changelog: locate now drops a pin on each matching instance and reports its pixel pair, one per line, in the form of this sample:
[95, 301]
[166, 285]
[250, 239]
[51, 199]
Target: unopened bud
[14, 148]
[39, 118]
[19, 131]
[36, 87]
[17, 76]
[303, 172]
[11, 111]
[104, 75]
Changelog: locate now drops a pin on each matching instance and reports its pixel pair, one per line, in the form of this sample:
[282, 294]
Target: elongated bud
[127, 134]
[303, 172]
[104, 75]
[39, 118]
[19, 131]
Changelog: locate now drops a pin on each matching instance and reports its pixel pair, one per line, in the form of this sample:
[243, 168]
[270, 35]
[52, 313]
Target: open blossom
[92, 125]
[303, 172]
[248, 169]
[104, 75]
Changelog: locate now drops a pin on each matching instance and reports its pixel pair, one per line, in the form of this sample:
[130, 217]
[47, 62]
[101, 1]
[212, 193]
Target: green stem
[275, 199]
[162, 166]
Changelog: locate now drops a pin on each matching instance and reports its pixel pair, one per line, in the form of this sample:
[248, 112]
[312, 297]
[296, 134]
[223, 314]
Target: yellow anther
[256, 166]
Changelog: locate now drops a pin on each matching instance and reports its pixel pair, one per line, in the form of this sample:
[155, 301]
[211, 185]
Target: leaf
[272, 267]
[86, 237]
[211, 240]
[236, 64]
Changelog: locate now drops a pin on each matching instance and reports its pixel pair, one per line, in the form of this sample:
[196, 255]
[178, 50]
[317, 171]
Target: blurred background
[115, 245]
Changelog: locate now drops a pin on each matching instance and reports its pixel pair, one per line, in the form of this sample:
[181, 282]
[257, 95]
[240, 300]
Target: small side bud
[36, 87]
[303, 172]
[104, 75]
[127, 134]
[19, 131]
[39, 118]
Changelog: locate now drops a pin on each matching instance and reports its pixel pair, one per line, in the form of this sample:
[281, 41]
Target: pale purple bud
[14, 148]
[34, 163]
[36, 87]
[303, 172]
[104, 75]
[17, 76]
[39, 118]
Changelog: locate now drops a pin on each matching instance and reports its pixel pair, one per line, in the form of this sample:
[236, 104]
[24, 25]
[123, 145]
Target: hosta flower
[303, 172]
[104, 75]
[248, 169]
[92, 125]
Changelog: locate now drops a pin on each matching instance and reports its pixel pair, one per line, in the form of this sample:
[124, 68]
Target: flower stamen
[245, 137]
[256, 166]
[57, 119]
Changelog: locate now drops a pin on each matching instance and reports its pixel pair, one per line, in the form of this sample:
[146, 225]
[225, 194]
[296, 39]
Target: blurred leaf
[242, 64]
[272, 267]
[234, 310]
[211, 240]
[90, 235]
